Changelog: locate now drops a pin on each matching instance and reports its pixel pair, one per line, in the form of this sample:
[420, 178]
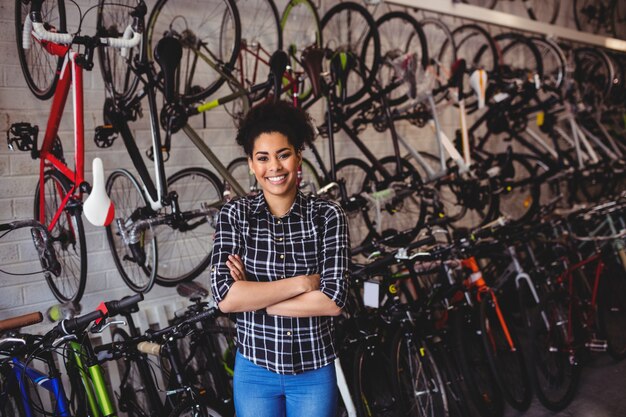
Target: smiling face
[275, 163]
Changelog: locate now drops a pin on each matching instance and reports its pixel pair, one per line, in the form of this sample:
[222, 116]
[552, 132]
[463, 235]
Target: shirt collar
[258, 205]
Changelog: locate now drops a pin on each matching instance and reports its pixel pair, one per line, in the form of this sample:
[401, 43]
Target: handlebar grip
[43, 34]
[77, 324]
[21, 321]
[126, 304]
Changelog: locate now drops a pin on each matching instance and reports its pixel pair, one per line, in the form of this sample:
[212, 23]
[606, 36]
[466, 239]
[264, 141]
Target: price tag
[371, 292]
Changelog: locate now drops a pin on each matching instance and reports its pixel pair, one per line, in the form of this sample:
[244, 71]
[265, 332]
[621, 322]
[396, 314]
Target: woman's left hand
[236, 267]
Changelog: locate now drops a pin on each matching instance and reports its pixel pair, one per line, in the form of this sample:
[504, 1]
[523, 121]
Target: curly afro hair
[281, 117]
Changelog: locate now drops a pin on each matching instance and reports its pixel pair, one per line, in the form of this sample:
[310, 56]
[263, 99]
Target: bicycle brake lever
[63, 339]
[99, 328]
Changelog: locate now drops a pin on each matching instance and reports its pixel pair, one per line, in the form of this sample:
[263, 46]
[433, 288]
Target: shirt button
[279, 222]
[282, 256]
[288, 333]
[280, 239]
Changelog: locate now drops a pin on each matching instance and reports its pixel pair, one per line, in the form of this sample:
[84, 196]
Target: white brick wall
[18, 173]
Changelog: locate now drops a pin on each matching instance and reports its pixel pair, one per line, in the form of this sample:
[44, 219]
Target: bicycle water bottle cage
[167, 54]
[105, 136]
[278, 64]
[312, 58]
[456, 76]
[340, 66]
[23, 136]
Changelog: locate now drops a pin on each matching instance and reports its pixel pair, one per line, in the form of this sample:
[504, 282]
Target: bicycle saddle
[312, 58]
[340, 66]
[98, 207]
[167, 54]
[478, 82]
[456, 75]
[278, 65]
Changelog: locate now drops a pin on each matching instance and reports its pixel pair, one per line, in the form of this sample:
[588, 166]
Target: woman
[280, 261]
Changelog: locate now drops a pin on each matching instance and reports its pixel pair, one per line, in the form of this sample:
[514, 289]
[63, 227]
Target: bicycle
[89, 394]
[59, 193]
[537, 10]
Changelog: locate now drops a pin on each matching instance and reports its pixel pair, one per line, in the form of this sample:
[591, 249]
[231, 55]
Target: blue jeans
[262, 393]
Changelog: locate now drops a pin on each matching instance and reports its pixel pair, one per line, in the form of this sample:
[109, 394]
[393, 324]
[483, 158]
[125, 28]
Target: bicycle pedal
[23, 136]
[105, 136]
[597, 345]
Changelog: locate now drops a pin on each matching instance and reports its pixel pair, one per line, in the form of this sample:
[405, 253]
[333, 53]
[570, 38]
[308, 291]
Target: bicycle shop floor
[602, 393]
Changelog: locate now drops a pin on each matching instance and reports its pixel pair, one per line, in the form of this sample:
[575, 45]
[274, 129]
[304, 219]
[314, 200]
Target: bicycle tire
[476, 197]
[441, 56]
[67, 237]
[612, 306]
[507, 364]
[10, 395]
[137, 264]
[594, 74]
[260, 37]
[185, 245]
[356, 175]
[417, 379]
[210, 42]
[301, 28]
[537, 9]
[40, 69]
[113, 18]
[456, 392]
[340, 25]
[520, 193]
[519, 59]
[400, 33]
[473, 364]
[480, 51]
[371, 383]
[593, 16]
[553, 62]
[132, 395]
[400, 214]
[554, 370]
[195, 408]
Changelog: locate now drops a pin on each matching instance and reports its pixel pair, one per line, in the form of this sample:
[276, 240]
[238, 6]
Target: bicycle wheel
[553, 62]
[113, 18]
[356, 176]
[554, 369]
[185, 244]
[404, 210]
[41, 70]
[67, 237]
[519, 194]
[133, 398]
[417, 379]
[520, 60]
[479, 50]
[612, 307]
[10, 396]
[300, 26]
[399, 34]
[371, 386]
[543, 10]
[441, 55]
[136, 262]
[210, 37]
[260, 37]
[481, 385]
[506, 360]
[349, 27]
[593, 16]
[594, 74]
[474, 196]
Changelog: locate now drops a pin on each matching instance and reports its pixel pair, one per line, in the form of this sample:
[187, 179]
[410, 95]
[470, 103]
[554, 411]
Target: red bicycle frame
[71, 76]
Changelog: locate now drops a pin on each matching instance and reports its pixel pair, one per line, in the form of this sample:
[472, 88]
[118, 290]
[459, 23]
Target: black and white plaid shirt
[311, 238]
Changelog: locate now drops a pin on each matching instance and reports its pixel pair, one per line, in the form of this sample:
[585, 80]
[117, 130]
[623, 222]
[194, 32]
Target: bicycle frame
[71, 76]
